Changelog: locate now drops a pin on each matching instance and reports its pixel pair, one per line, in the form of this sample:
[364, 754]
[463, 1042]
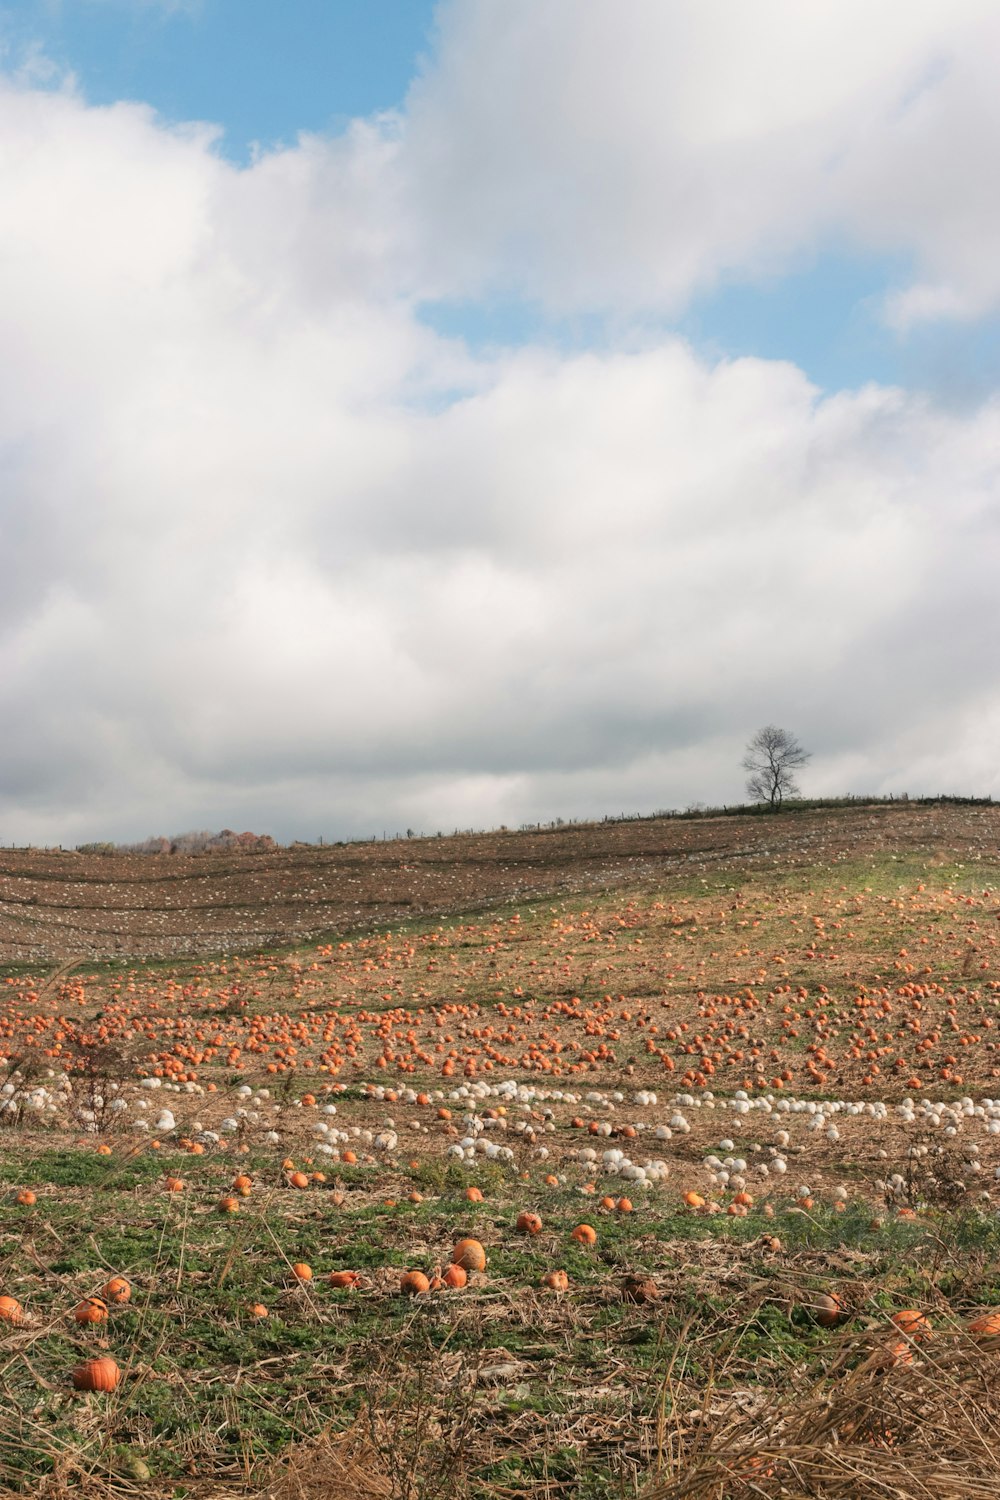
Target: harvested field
[722, 1112]
[56, 905]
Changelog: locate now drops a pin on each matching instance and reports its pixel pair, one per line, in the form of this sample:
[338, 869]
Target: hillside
[61, 905]
[686, 1188]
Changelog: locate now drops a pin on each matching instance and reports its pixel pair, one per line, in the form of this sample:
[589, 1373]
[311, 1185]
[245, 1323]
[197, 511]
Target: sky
[461, 415]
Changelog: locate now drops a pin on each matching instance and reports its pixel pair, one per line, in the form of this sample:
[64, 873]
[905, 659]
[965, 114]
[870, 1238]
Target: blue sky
[513, 406]
[262, 69]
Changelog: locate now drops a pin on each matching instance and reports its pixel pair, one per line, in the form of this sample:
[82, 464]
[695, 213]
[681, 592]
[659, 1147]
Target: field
[741, 1071]
[59, 905]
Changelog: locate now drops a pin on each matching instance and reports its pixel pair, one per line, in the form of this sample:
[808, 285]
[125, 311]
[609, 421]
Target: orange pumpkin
[117, 1290]
[344, 1278]
[987, 1325]
[91, 1310]
[912, 1323]
[529, 1223]
[455, 1276]
[584, 1234]
[414, 1283]
[26, 1198]
[229, 1205]
[301, 1271]
[97, 1375]
[470, 1255]
[898, 1352]
[558, 1281]
[298, 1180]
[827, 1309]
[11, 1311]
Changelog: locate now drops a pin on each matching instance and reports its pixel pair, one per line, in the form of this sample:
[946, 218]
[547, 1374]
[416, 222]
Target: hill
[60, 905]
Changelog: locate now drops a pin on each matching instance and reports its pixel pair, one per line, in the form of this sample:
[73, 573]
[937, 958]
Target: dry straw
[926, 1427]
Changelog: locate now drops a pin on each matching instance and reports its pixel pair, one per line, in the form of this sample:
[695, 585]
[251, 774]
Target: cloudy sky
[474, 413]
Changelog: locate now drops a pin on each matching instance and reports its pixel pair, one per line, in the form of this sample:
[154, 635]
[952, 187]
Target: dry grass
[335, 1466]
[868, 1429]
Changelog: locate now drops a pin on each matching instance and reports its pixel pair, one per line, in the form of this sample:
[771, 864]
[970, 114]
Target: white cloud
[276, 555]
[631, 156]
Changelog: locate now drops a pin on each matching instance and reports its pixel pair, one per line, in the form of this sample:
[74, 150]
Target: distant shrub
[200, 841]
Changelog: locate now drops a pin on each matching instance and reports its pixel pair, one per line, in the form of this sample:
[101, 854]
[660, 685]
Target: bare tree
[772, 755]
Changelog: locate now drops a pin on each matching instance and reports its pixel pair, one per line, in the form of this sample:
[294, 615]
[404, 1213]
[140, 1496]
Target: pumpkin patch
[730, 1117]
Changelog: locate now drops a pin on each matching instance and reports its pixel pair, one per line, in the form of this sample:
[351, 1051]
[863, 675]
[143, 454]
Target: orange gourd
[11, 1311]
[97, 1375]
[414, 1283]
[91, 1310]
[912, 1323]
[470, 1255]
[344, 1278]
[827, 1309]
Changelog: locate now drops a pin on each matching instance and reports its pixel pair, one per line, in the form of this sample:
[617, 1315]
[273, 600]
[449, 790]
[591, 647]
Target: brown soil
[58, 905]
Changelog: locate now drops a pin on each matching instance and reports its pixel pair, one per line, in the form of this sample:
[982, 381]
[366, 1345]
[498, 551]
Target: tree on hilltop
[772, 755]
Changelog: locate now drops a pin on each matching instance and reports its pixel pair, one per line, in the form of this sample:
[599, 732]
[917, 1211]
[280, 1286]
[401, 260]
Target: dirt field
[59, 905]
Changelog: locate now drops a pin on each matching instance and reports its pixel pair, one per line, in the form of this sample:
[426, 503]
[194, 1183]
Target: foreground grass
[504, 1386]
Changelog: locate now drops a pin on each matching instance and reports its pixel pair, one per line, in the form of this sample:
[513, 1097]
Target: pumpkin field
[673, 1171]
